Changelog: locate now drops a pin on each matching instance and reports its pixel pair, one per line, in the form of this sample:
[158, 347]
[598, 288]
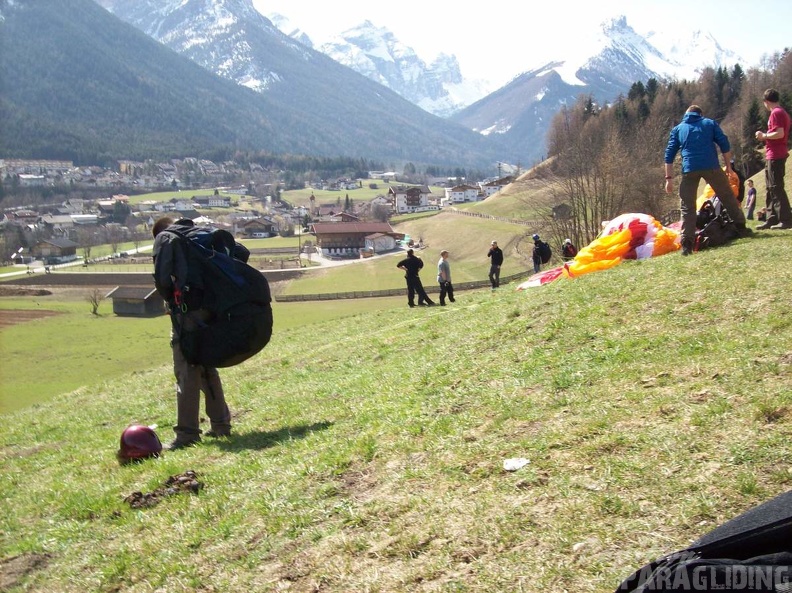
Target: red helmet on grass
[138, 442]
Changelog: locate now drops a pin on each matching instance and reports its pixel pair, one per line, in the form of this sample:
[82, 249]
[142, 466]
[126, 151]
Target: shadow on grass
[264, 440]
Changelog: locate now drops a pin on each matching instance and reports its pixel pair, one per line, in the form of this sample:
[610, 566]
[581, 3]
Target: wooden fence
[367, 294]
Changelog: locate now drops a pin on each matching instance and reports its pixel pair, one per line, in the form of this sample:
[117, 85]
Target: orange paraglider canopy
[629, 236]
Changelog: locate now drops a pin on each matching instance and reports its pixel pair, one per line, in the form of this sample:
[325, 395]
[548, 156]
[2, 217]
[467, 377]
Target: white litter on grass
[515, 463]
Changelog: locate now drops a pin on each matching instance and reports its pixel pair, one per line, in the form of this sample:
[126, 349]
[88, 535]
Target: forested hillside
[76, 83]
[605, 160]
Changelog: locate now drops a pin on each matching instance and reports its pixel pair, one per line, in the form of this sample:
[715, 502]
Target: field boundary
[109, 280]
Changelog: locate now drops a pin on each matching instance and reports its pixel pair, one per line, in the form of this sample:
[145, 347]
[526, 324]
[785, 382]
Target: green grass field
[653, 402]
[74, 349]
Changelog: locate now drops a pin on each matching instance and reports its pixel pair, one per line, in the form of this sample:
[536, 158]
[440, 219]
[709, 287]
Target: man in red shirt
[779, 215]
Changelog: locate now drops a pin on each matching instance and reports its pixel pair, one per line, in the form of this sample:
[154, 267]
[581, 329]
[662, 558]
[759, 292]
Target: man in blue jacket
[699, 138]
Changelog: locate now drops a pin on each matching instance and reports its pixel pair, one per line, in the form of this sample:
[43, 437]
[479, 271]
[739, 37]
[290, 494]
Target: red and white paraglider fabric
[628, 236]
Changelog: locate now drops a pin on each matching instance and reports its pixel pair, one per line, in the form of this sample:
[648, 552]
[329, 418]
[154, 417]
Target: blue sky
[496, 41]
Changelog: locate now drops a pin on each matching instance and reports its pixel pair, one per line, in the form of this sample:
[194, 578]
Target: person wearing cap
[411, 266]
[568, 251]
[444, 278]
[496, 261]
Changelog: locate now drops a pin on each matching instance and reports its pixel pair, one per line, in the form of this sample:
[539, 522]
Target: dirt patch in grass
[17, 291]
[16, 568]
[186, 483]
[10, 317]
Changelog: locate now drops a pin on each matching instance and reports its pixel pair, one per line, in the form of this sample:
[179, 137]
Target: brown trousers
[719, 183]
[191, 380]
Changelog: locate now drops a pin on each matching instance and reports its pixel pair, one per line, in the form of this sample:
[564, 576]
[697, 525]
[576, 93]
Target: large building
[347, 239]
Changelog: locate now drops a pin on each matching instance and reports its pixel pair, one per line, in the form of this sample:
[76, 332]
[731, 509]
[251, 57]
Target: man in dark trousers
[411, 266]
[698, 138]
[496, 261]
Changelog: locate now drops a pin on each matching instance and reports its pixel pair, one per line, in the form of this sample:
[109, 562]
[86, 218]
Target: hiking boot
[219, 433]
[781, 226]
[178, 443]
[764, 226]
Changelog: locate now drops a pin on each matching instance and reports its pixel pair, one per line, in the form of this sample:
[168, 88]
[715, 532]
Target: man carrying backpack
[172, 280]
[541, 253]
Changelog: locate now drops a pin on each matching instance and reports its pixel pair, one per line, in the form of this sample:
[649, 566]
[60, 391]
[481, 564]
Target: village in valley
[98, 207]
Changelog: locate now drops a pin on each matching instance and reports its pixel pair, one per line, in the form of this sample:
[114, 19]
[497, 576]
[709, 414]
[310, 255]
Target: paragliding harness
[545, 252]
[223, 314]
[714, 226]
[750, 553]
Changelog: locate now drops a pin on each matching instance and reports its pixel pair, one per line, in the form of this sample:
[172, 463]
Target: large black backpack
[750, 553]
[714, 225]
[545, 252]
[233, 295]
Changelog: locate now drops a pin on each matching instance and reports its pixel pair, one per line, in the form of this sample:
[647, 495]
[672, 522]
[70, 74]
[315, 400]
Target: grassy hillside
[72, 349]
[653, 401]
[466, 238]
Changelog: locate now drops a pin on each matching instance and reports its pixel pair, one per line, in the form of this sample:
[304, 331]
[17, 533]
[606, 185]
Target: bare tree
[589, 172]
[114, 235]
[138, 236]
[94, 298]
[86, 240]
[380, 212]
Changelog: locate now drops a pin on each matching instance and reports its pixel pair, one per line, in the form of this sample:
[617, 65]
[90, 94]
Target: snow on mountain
[375, 52]
[689, 54]
[213, 33]
[288, 28]
[603, 64]
[612, 49]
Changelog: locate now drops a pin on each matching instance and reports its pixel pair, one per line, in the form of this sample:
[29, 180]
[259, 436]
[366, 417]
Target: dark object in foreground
[222, 308]
[750, 553]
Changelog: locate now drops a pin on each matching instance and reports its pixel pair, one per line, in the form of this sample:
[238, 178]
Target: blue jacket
[697, 137]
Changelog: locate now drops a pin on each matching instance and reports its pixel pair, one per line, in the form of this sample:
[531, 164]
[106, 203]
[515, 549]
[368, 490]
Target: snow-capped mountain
[234, 40]
[213, 33]
[613, 51]
[689, 54]
[316, 102]
[375, 52]
[288, 29]
[605, 65]
[437, 87]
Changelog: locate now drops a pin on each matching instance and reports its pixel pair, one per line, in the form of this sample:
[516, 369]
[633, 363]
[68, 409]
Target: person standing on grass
[496, 261]
[698, 138]
[171, 275]
[776, 139]
[750, 197]
[411, 266]
[444, 278]
[568, 250]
